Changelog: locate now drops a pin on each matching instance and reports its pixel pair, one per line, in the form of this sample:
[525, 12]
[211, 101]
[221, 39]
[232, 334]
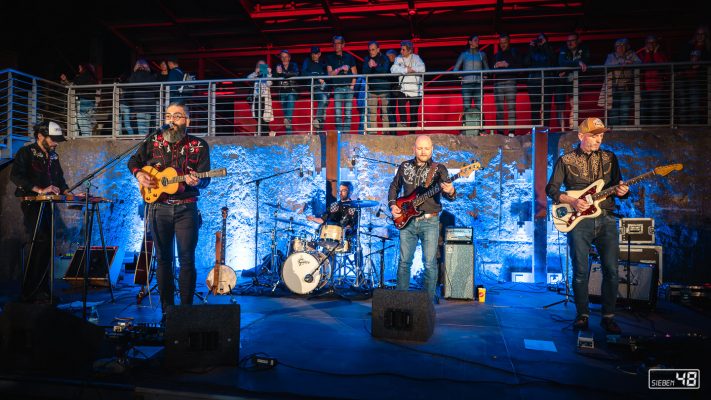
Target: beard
[175, 135]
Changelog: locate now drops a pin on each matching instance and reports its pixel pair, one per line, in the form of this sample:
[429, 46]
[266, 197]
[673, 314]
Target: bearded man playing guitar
[174, 216]
[576, 170]
[419, 174]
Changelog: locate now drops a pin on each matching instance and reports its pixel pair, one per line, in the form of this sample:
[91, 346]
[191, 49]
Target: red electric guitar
[408, 204]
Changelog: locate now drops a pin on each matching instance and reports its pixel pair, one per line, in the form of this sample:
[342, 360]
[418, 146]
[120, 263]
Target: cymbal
[360, 203]
[278, 207]
[291, 221]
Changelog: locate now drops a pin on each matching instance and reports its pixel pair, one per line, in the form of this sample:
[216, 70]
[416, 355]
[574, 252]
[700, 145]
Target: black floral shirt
[411, 177]
[32, 167]
[189, 154]
[576, 170]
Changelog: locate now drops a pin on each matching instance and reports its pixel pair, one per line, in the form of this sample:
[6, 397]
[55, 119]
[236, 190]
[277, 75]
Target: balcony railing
[464, 102]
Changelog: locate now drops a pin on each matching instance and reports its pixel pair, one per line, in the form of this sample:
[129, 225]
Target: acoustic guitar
[169, 181]
[221, 279]
[565, 217]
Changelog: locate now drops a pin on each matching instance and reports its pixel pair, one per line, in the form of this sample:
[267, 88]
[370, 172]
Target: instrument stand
[628, 306]
[566, 298]
[331, 287]
[257, 182]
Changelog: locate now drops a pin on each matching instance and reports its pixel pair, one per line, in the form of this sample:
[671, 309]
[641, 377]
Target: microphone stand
[256, 225]
[373, 160]
[89, 219]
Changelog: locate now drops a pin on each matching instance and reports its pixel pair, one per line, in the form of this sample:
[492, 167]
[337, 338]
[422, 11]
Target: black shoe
[610, 326]
[581, 323]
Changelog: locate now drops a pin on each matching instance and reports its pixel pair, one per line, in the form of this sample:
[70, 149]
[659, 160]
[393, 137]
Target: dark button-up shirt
[576, 170]
[379, 83]
[411, 177]
[291, 71]
[32, 167]
[189, 154]
[340, 214]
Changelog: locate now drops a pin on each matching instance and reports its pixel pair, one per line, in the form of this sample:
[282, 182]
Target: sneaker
[610, 326]
[581, 323]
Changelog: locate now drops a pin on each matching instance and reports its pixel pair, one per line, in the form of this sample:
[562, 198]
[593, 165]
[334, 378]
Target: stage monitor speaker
[402, 315]
[459, 271]
[98, 271]
[643, 283]
[41, 338]
[202, 336]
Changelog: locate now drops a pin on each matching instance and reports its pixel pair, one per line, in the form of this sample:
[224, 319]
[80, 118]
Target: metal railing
[24, 101]
[464, 102]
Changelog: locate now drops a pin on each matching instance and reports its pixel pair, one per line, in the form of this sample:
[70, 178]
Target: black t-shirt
[335, 62]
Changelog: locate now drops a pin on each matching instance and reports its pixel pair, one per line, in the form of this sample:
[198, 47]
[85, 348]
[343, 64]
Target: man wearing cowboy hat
[576, 170]
[36, 171]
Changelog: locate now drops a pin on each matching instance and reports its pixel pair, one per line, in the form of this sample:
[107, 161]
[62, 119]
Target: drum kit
[325, 260]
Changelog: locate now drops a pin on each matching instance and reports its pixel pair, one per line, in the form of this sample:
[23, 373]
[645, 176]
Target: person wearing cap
[287, 69]
[313, 66]
[620, 82]
[378, 86]
[37, 171]
[576, 170]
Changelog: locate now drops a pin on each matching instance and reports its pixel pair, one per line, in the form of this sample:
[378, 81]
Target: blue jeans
[471, 91]
[621, 106]
[85, 113]
[601, 232]
[180, 222]
[143, 121]
[343, 96]
[505, 91]
[321, 99]
[426, 231]
[126, 119]
[288, 99]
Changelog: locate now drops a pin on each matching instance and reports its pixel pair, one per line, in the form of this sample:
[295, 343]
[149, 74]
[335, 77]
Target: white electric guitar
[565, 218]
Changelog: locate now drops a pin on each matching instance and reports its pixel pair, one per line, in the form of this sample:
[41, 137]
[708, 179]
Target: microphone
[379, 213]
[165, 127]
[301, 172]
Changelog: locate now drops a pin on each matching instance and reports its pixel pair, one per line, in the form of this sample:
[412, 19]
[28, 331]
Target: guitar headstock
[666, 169]
[218, 172]
[468, 169]
[224, 212]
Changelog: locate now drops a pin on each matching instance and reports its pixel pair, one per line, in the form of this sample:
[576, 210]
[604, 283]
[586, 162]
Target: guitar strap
[430, 175]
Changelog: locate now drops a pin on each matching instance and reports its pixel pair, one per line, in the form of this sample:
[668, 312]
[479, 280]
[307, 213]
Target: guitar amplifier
[459, 271]
[637, 230]
[99, 273]
[643, 283]
[459, 234]
[644, 254]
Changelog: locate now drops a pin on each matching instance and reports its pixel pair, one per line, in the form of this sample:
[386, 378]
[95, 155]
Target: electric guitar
[169, 181]
[565, 217]
[408, 204]
[222, 279]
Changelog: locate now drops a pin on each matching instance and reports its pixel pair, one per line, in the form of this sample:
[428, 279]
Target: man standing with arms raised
[419, 174]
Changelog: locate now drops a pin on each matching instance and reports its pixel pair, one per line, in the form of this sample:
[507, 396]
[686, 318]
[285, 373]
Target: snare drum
[302, 274]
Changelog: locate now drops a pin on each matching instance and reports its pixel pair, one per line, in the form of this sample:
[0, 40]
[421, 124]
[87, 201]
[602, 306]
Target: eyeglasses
[174, 117]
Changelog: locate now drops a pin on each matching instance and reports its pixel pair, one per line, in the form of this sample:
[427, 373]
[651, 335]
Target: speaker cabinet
[41, 338]
[459, 271]
[643, 283]
[99, 274]
[202, 336]
[402, 315]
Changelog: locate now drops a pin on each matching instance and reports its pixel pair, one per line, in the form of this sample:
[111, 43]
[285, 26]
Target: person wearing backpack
[175, 74]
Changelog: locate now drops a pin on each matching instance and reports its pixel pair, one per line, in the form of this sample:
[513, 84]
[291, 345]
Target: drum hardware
[278, 206]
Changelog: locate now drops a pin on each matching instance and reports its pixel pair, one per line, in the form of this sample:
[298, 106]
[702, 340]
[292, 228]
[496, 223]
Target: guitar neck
[609, 191]
[432, 191]
[181, 178]
[224, 241]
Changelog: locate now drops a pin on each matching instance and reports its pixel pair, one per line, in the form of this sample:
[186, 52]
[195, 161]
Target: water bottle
[94, 316]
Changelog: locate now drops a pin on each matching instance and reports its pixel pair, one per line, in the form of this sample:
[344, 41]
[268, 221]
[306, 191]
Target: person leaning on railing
[571, 55]
[86, 100]
[472, 59]
[505, 84]
[540, 84]
[142, 99]
[653, 83]
[376, 63]
[620, 81]
[261, 98]
[313, 66]
[411, 84]
[287, 69]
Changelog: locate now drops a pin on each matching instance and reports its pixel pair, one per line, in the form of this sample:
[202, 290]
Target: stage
[508, 347]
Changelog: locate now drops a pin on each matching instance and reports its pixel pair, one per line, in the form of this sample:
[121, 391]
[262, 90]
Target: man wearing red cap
[36, 171]
[576, 170]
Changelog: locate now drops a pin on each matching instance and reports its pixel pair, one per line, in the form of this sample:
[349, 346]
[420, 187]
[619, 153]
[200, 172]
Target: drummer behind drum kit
[317, 263]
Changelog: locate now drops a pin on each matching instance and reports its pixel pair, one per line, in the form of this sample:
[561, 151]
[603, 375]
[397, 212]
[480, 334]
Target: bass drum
[299, 266]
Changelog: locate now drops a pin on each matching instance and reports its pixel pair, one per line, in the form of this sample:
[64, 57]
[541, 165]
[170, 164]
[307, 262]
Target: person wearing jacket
[410, 66]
